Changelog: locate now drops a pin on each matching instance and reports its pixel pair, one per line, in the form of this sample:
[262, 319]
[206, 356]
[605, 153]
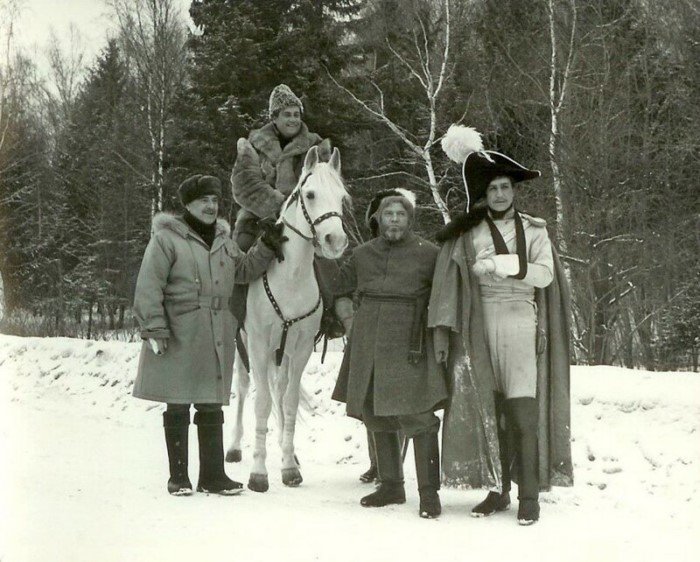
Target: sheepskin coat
[182, 295]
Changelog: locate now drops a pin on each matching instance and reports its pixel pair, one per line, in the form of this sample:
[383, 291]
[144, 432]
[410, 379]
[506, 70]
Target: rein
[287, 323]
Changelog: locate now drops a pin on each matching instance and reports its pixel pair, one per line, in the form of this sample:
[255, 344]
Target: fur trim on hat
[460, 141]
[281, 97]
[383, 198]
[198, 186]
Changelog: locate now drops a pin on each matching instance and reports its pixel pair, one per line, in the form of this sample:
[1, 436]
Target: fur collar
[266, 141]
[175, 222]
[462, 223]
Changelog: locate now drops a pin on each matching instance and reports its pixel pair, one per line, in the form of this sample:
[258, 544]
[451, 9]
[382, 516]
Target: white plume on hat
[460, 141]
[408, 195]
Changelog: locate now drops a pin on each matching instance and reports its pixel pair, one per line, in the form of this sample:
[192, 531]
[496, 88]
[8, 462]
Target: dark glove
[273, 238]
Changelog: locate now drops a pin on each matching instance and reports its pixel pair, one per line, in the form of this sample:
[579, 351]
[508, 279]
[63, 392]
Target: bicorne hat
[479, 167]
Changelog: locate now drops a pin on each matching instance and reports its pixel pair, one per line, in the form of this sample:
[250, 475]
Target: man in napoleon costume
[500, 312]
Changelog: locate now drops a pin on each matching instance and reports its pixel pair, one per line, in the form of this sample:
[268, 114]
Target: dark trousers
[185, 408]
[409, 425]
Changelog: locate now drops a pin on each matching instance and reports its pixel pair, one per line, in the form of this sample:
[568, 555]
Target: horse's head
[320, 194]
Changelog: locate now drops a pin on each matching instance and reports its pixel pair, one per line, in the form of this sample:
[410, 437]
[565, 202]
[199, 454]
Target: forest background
[600, 95]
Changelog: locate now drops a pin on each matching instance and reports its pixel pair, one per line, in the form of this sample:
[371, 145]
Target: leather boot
[427, 454]
[494, 501]
[177, 425]
[212, 477]
[371, 474]
[390, 490]
[525, 416]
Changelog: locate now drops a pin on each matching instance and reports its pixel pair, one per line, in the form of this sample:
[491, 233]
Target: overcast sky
[91, 17]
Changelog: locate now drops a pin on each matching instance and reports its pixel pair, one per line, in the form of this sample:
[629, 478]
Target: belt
[215, 303]
[420, 302]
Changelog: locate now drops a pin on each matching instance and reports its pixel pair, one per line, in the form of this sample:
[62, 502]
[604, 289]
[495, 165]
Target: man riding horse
[266, 171]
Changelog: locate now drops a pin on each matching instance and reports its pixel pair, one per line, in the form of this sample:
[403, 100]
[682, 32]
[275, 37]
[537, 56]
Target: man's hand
[158, 345]
[484, 264]
[441, 343]
[272, 237]
[483, 267]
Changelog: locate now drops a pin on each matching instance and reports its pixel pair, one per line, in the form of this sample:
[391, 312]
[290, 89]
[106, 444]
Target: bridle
[288, 322]
[297, 196]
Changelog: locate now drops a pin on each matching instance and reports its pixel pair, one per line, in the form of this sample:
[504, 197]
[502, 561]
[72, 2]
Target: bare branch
[407, 65]
[380, 115]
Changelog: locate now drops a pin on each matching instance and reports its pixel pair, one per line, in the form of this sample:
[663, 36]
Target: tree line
[600, 95]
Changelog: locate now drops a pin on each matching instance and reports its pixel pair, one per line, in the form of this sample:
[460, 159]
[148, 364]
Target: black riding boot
[177, 425]
[525, 416]
[390, 469]
[494, 501]
[212, 477]
[371, 474]
[427, 453]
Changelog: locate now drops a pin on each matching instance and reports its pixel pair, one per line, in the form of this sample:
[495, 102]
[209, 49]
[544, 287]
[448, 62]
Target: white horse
[284, 314]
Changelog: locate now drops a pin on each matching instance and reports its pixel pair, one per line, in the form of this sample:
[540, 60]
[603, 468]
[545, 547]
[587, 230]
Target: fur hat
[382, 199]
[281, 97]
[479, 167]
[198, 186]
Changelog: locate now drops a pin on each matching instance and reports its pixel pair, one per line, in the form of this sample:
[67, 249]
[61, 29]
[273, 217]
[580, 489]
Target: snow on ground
[84, 471]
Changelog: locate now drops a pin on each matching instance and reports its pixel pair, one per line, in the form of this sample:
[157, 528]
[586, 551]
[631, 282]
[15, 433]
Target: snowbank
[86, 469]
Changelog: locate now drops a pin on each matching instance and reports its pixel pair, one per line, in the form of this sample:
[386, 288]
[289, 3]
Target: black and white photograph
[349, 280]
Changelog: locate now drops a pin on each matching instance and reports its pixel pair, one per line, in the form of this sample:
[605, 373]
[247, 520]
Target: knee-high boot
[212, 477]
[176, 426]
[427, 454]
[525, 416]
[494, 501]
[371, 474]
[390, 470]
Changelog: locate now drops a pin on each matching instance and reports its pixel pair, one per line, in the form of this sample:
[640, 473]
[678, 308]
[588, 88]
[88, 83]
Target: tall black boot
[177, 425]
[427, 453]
[494, 501]
[390, 469]
[212, 477]
[525, 416]
[371, 474]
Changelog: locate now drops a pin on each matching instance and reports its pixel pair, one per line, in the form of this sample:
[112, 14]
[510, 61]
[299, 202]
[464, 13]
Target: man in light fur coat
[269, 163]
[267, 168]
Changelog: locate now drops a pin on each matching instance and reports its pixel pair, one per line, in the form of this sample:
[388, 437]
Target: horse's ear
[335, 160]
[311, 158]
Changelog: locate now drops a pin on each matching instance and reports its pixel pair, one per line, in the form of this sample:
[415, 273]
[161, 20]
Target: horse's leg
[258, 481]
[291, 475]
[241, 384]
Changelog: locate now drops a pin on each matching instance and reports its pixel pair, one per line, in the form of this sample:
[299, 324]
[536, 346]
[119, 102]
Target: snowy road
[84, 472]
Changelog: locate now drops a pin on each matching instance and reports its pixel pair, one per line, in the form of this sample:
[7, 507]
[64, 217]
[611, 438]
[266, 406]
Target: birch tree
[559, 76]
[427, 63]
[153, 35]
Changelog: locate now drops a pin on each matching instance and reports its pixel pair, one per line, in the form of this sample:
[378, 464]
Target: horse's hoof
[234, 455]
[291, 477]
[258, 482]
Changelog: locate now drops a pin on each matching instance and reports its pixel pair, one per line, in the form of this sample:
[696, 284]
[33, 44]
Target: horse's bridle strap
[286, 323]
[312, 223]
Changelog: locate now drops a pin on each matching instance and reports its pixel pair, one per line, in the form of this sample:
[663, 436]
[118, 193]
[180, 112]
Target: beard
[393, 233]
